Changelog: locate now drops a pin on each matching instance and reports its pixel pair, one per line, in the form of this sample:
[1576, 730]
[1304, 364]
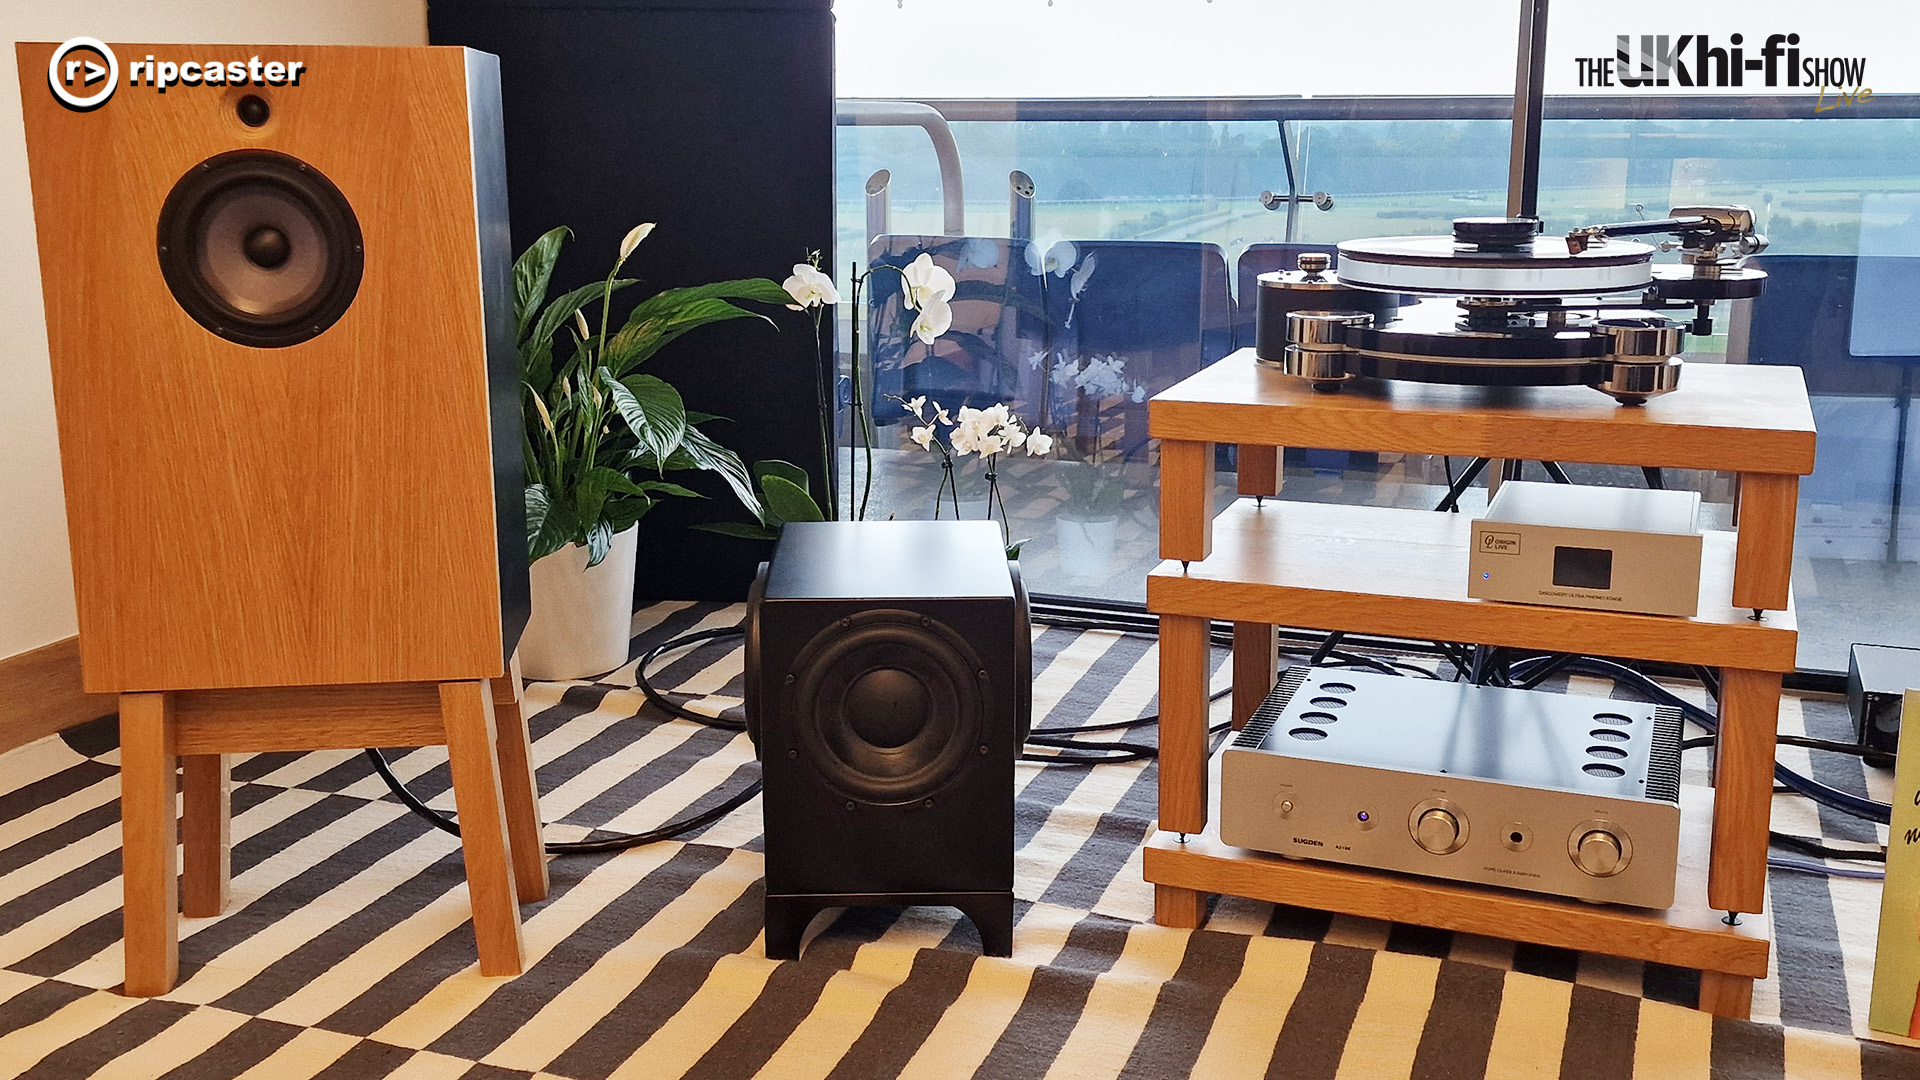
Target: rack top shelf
[1733, 417]
[1403, 573]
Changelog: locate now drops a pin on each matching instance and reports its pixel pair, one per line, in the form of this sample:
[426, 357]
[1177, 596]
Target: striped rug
[346, 952]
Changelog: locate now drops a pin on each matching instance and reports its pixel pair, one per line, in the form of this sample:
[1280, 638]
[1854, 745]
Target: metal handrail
[1475, 107]
[860, 112]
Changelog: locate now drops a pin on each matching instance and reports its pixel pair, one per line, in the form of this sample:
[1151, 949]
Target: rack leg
[1726, 995]
[1256, 665]
[1743, 789]
[1763, 554]
[1186, 500]
[1183, 723]
[1259, 470]
[1182, 909]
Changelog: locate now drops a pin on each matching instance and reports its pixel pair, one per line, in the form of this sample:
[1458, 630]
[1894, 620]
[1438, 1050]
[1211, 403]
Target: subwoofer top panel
[825, 560]
[322, 511]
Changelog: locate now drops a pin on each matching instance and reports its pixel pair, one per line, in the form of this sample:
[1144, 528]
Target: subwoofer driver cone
[260, 248]
[889, 707]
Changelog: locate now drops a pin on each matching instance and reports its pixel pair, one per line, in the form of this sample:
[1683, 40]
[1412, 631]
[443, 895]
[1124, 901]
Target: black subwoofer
[260, 248]
[889, 686]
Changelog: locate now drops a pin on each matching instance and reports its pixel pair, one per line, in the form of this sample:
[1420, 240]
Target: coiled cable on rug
[1065, 752]
[612, 841]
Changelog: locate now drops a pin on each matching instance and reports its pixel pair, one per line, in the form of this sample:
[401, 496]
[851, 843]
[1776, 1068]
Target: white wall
[36, 577]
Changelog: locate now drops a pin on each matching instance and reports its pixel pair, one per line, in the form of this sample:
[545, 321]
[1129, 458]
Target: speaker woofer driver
[888, 708]
[260, 248]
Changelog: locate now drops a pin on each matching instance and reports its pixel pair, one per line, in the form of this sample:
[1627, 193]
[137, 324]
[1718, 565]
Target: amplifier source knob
[1437, 831]
[1598, 853]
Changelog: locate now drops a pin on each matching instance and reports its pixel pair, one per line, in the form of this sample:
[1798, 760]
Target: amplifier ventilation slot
[1260, 724]
[1663, 757]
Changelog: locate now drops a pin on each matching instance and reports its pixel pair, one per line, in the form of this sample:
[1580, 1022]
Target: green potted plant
[600, 439]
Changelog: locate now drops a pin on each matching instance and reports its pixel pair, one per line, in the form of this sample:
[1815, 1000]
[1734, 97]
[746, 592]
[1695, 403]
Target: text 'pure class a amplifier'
[1554, 793]
[1572, 545]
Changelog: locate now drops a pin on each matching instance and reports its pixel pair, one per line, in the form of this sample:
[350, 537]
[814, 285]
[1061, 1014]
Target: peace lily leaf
[562, 309]
[621, 514]
[599, 542]
[559, 529]
[536, 512]
[637, 341]
[652, 408]
[661, 487]
[711, 456]
[531, 273]
[786, 470]
[789, 500]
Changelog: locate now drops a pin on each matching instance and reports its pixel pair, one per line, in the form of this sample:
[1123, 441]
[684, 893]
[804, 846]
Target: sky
[1154, 48]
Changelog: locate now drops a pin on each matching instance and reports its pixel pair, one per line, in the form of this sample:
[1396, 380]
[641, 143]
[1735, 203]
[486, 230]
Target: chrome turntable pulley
[1498, 304]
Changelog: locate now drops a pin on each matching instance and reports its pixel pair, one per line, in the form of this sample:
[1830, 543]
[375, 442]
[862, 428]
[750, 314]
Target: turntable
[1502, 303]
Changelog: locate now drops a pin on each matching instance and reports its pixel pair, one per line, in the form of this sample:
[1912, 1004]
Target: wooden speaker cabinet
[280, 317]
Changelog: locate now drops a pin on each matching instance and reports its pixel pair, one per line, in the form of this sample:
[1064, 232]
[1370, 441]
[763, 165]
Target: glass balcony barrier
[1103, 250]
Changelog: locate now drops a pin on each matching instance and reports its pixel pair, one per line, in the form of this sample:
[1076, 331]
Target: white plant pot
[582, 616]
[1085, 547]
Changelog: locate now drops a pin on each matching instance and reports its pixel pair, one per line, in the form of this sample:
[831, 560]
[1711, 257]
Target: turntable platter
[1542, 266]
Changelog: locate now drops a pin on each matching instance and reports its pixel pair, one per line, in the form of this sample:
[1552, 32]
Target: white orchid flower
[964, 440]
[1038, 444]
[991, 444]
[1078, 284]
[809, 287]
[927, 284]
[995, 415]
[940, 413]
[934, 319]
[980, 252]
[1014, 436]
[1056, 258]
[633, 238]
[923, 436]
[916, 406]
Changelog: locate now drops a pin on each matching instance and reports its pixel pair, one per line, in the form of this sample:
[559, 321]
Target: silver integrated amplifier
[1569, 545]
[1554, 793]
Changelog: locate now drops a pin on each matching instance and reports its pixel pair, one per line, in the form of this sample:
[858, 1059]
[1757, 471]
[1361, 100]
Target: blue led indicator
[1485, 575]
[1363, 815]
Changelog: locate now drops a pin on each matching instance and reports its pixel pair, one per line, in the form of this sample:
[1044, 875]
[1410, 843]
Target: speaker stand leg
[206, 818]
[467, 710]
[993, 917]
[149, 833]
[521, 794]
[787, 920]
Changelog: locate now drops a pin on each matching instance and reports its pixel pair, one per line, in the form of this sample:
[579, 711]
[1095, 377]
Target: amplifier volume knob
[1598, 853]
[1437, 831]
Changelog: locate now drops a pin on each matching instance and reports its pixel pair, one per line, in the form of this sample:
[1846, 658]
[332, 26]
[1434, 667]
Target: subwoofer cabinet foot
[789, 915]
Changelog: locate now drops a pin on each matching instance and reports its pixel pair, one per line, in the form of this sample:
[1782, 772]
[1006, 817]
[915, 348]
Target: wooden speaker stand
[480, 721]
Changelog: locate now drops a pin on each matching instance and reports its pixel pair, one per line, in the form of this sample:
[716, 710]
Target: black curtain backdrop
[713, 118]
